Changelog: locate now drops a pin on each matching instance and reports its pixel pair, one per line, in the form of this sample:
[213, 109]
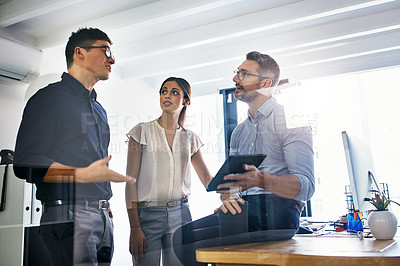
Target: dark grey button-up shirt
[62, 123]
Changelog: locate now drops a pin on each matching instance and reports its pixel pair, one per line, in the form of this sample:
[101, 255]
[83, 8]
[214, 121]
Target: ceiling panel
[204, 40]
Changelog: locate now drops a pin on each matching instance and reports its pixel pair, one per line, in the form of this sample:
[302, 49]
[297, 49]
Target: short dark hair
[83, 37]
[267, 66]
[187, 91]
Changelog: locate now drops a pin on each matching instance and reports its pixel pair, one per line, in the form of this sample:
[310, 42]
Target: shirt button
[255, 125]
[252, 144]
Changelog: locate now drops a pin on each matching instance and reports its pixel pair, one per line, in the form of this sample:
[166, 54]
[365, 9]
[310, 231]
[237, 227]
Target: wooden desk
[344, 250]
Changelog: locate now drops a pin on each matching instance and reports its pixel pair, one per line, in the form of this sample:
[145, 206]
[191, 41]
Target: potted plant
[382, 222]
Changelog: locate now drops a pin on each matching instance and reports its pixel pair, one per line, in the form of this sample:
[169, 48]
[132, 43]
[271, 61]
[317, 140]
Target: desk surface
[344, 250]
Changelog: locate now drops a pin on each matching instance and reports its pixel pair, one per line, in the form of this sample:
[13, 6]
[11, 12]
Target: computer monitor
[360, 166]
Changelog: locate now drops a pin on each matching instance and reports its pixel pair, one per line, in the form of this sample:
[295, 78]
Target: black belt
[170, 203]
[99, 204]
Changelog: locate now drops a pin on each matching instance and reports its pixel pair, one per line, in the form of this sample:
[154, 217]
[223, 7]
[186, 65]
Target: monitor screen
[360, 166]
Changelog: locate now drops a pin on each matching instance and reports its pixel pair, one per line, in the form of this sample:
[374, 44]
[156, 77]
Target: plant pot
[383, 224]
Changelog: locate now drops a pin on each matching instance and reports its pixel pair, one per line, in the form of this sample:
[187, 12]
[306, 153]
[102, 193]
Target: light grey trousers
[77, 235]
[158, 225]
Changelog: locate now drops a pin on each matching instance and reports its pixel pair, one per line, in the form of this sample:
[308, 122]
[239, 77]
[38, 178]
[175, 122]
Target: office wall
[127, 102]
[11, 107]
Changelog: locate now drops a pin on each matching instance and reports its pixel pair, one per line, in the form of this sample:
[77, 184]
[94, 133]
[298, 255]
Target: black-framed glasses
[107, 51]
[241, 74]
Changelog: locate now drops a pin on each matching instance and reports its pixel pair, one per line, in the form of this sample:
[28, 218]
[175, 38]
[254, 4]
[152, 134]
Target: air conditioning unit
[19, 62]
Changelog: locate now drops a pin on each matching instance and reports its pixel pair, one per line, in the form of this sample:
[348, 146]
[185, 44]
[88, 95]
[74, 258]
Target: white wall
[11, 108]
[127, 103]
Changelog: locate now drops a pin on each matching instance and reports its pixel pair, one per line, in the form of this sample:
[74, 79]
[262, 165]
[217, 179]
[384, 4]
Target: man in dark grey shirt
[62, 147]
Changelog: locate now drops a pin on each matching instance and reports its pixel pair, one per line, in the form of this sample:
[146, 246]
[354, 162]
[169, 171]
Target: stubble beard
[246, 96]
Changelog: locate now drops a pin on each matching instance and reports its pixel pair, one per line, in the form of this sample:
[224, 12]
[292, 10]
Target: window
[363, 103]
[205, 118]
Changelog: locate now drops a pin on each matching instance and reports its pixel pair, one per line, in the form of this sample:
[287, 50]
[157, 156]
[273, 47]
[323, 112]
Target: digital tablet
[234, 165]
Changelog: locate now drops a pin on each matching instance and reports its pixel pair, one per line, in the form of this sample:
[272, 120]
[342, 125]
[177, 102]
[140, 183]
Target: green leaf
[386, 204]
[380, 202]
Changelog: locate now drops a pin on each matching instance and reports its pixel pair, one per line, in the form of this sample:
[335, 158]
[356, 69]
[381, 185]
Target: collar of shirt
[265, 109]
[77, 87]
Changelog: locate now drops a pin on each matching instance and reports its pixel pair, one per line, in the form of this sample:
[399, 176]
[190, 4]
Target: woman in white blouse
[159, 156]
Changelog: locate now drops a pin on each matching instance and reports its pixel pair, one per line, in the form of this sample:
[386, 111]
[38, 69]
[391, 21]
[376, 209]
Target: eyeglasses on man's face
[241, 74]
[107, 51]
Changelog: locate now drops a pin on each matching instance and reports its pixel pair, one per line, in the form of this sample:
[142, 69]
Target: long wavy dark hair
[187, 91]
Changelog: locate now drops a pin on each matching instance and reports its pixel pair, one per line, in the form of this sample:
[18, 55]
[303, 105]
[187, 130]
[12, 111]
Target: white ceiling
[204, 41]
